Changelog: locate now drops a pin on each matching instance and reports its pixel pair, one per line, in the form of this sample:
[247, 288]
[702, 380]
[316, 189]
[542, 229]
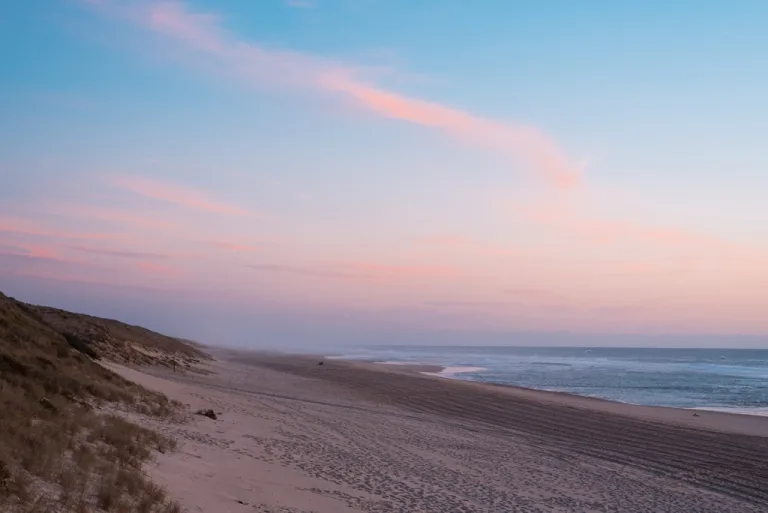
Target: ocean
[734, 380]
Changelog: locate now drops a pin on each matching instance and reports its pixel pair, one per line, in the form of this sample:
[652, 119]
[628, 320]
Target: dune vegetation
[65, 445]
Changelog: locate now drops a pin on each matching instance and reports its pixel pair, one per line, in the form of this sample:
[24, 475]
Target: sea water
[733, 380]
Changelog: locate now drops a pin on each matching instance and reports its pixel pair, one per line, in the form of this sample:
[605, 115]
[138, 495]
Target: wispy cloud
[394, 271]
[236, 247]
[447, 240]
[63, 276]
[529, 144]
[564, 216]
[203, 33]
[365, 271]
[29, 227]
[177, 195]
[540, 297]
[455, 243]
[469, 304]
[31, 251]
[119, 253]
[619, 311]
[298, 270]
[154, 268]
[110, 215]
[526, 292]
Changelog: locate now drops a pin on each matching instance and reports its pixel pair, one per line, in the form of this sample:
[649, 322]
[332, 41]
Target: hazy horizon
[263, 332]
[309, 173]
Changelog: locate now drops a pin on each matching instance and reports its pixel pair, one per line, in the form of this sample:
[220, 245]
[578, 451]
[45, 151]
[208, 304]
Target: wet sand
[294, 436]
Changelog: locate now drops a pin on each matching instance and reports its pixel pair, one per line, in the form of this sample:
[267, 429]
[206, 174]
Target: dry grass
[58, 450]
[95, 466]
[118, 341]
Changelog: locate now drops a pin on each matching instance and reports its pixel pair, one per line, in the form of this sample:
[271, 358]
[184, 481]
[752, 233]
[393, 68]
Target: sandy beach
[292, 436]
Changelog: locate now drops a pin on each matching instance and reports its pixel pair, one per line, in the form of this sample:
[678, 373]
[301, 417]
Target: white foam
[760, 412]
[399, 363]
[451, 372]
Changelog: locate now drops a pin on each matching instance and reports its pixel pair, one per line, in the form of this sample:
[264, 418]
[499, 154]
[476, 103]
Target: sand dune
[297, 437]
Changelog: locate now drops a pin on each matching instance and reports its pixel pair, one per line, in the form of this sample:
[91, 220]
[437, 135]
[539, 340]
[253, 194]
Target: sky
[280, 173]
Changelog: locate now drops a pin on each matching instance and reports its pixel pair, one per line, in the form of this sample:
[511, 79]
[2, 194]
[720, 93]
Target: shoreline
[451, 373]
[716, 420]
[711, 420]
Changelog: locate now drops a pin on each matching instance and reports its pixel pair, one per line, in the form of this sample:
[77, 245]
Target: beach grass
[64, 445]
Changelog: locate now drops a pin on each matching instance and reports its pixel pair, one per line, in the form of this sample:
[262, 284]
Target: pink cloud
[603, 231]
[456, 243]
[296, 270]
[112, 215]
[527, 143]
[43, 252]
[28, 227]
[469, 304]
[63, 277]
[49, 275]
[360, 271]
[119, 253]
[236, 247]
[153, 268]
[32, 251]
[203, 33]
[172, 18]
[176, 194]
[452, 241]
[388, 271]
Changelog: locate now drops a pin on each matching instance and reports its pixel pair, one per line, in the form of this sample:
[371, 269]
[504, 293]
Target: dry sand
[297, 437]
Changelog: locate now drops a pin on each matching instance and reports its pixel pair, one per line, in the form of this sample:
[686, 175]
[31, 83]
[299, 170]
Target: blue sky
[371, 167]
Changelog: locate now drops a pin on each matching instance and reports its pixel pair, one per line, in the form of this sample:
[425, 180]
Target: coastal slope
[65, 444]
[121, 342]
